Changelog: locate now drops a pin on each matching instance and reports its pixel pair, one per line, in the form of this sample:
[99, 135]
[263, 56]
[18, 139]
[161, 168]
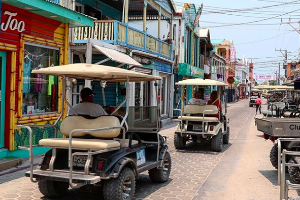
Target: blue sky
[260, 39]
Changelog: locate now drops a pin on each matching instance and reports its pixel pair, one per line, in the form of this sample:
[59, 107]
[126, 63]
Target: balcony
[118, 33]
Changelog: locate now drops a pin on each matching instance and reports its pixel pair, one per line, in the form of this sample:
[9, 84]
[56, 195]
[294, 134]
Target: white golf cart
[199, 123]
[101, 151]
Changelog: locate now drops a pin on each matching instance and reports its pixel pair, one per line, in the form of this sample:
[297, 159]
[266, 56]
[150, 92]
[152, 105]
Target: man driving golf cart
[205, 123]
[86, 106]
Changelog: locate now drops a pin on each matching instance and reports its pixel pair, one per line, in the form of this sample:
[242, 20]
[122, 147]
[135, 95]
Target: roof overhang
[95, 72]
[274, 87]
[53, 11]
[201, 82]
[117, 56]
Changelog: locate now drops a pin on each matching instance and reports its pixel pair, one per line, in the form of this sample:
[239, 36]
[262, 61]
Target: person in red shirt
[258, 104]
[214, 100]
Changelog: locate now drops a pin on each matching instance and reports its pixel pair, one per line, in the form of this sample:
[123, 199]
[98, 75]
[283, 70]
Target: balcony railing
[121, 34]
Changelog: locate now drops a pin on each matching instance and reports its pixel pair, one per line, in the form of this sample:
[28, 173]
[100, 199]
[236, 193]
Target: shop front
[31, 41]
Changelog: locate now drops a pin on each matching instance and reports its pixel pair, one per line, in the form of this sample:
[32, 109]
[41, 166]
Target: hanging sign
[12, 23]
[198, 16]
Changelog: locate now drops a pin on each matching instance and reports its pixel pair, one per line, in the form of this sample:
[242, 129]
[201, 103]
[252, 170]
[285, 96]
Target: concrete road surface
[242, 171]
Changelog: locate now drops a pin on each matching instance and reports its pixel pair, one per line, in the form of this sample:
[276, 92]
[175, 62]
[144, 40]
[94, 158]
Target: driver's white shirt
[87, 108]
[197, 101]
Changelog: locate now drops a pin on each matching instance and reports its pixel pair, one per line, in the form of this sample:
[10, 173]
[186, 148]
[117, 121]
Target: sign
[196, 72]
[198, 16]
[230, 80]
[232, 54]
[12, 23]
[265, 77]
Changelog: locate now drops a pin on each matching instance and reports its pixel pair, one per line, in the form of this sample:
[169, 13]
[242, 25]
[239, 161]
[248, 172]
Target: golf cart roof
[95, 72]
[274, 87]
[200, 82]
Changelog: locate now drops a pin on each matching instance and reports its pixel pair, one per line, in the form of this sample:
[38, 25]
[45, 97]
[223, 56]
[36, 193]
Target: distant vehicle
[266, 94]
[254, 94]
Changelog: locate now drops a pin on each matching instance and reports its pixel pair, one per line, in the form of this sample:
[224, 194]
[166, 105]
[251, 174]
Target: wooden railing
[119, 33]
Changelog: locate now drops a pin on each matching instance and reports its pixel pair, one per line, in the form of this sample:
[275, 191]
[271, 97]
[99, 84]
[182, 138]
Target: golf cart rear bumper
[64, 177]
[195, 133]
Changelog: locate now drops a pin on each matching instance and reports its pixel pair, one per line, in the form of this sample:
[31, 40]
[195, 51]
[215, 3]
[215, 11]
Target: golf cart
[199, 123]
[254, 94]
[102, 151]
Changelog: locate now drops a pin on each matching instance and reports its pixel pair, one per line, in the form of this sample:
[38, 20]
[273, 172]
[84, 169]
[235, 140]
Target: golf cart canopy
[285, 87]
[95, 72]
[197, 81]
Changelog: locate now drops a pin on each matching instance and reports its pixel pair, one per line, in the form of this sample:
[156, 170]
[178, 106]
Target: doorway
[2, 95]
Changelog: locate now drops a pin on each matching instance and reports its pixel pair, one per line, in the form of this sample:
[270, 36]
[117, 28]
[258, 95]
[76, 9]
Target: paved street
[241, 171]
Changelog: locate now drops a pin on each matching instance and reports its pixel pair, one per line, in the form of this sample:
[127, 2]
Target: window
[79, 7]
[40, 92]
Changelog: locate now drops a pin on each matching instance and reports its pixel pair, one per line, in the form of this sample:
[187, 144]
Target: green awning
[53, 11]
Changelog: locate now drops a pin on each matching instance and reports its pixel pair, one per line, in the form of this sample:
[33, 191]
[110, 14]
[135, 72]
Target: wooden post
[145, 16]
[126, 11]
[171, 28]
[159, 20]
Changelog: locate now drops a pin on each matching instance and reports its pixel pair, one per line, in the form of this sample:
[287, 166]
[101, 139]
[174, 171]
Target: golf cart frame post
[89, 153]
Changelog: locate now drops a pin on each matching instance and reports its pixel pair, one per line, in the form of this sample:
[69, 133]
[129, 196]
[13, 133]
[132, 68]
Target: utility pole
[285, 55]
[279, 74]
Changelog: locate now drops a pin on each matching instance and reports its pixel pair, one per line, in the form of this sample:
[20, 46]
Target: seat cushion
[198, 118]
[78, 143]
[71, 123]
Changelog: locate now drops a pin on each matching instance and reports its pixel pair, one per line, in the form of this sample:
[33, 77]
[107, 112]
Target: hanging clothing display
[53, 100]
[39, 83]
[50, 83]
[26, 76]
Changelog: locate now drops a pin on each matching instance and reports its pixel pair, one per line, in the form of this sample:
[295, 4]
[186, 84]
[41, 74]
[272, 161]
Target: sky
[258, 39]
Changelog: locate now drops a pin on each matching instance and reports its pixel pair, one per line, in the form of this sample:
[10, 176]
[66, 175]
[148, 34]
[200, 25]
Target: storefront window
[40, 92]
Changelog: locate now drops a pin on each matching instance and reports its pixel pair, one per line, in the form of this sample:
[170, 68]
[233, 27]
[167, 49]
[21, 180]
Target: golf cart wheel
[53, 189]
[194, 138]
[122, 187]
[217, 142]
[250, 105]
[179, 141]
[274, 156]
[162, 175]
[226, 137]
[294, 172]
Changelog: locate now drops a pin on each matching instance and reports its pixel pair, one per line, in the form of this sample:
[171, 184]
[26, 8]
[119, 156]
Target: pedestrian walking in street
[258, 104]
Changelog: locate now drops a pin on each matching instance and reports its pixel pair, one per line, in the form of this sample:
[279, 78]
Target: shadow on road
[271, 175]
[193, 147]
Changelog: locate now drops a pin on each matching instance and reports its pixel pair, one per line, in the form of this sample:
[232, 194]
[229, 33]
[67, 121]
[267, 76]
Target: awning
[53, 11]
[117, 56]
[201, 82]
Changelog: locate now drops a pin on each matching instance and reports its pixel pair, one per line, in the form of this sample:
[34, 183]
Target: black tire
[162, 175]
[53, 189]
[294, 172]
[250, 105]
[217, 142]
[226, 137]
[194, 138]
[115, 189]
[179, 141]
[274, 156]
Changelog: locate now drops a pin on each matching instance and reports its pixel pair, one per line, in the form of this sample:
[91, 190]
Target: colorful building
[226, 49]
[34, 34]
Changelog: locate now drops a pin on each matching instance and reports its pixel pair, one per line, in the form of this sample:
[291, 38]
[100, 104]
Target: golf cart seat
[101, 140]
[201, 112]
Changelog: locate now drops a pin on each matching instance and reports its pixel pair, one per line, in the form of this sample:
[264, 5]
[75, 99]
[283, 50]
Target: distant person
[258, 102]
[86, 106]
[197, 99]
[214, 100]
